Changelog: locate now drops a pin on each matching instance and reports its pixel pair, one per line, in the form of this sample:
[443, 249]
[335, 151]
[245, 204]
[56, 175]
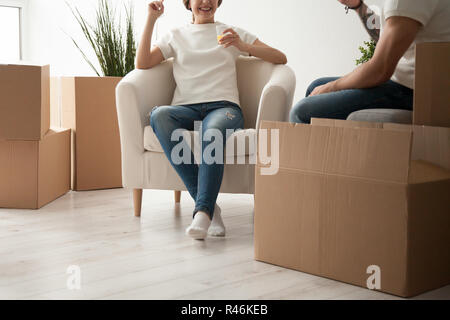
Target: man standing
[387, 80]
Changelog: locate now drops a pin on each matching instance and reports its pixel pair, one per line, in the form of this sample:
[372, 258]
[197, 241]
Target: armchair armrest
[136, 94]
[277, 95]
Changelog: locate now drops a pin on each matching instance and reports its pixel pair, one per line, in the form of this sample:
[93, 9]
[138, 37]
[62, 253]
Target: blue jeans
[203, 181]
[339, 105]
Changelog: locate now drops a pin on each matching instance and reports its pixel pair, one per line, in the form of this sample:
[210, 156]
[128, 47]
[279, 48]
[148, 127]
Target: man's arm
[397, 37]
[370, 20]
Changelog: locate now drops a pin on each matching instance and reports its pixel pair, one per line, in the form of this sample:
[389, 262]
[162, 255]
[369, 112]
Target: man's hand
[351, 3]
[326, 88]
[155, 9]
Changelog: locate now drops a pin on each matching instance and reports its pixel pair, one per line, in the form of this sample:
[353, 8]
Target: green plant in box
[367, 52]
[115, 50]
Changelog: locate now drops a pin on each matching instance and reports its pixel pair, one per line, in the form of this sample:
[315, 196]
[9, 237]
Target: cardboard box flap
[432, 83]
[356, 152]
[25, 63]
[345, 123]
[423, 171]
[431, 144]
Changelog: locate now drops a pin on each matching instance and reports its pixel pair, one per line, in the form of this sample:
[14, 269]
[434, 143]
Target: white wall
[317, 36]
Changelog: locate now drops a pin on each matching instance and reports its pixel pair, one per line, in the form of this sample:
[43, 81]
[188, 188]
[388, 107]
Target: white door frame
[23, 22]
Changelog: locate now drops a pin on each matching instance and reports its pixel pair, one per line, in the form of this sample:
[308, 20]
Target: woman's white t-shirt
[204, 71]
[434, 15]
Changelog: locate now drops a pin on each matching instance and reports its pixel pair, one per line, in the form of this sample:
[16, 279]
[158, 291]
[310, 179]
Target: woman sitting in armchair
[206, 90]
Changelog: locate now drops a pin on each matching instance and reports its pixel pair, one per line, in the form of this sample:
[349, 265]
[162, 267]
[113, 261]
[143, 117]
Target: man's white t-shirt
[204, 71]
[434, 15]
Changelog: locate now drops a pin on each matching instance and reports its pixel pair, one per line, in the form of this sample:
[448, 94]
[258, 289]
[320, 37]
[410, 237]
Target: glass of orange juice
[220, 29]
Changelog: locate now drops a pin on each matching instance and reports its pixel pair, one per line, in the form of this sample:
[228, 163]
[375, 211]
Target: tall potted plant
[115, 50]
[88, 103]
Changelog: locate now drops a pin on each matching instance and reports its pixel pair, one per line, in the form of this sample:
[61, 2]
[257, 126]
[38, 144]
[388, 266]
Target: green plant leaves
[115, 50]
[367, 52]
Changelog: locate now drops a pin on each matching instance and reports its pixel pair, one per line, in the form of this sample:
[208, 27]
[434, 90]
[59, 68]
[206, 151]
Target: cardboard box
[55, 102]
[89, 108]
[25, 101]
[350, 197]
[34, 173]
[432, 86]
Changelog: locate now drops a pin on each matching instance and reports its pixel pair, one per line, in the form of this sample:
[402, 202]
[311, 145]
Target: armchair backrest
[155, 87]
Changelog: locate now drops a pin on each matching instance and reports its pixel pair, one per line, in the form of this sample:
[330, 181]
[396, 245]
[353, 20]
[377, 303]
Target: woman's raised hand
[350, 3]
[155, 9]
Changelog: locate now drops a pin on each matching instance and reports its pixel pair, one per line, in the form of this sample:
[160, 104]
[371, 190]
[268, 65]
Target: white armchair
[266, 93]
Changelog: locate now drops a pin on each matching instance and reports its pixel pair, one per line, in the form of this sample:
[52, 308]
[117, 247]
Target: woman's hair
[186, 3]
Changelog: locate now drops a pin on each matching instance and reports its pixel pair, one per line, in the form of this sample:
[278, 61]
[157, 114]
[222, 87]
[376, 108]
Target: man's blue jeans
[339, 105]
[203, 181]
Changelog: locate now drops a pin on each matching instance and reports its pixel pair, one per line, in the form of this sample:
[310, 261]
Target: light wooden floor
[123, 257]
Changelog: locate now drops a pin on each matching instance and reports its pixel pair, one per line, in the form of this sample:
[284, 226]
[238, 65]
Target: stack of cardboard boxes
[365, 203]
[34, 159]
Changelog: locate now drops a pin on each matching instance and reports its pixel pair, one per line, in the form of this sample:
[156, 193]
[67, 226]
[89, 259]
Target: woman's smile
[205, 9]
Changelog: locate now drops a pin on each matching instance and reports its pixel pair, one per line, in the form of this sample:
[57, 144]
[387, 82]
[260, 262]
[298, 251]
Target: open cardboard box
[34, 173]
[349, 196]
